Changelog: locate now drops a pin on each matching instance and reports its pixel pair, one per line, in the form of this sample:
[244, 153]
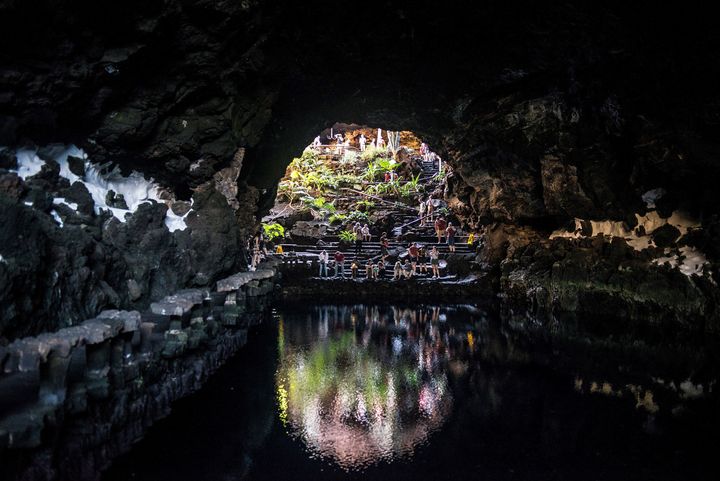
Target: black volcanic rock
[666, 235]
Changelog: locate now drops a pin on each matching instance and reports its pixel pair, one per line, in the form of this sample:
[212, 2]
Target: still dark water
[435, 393]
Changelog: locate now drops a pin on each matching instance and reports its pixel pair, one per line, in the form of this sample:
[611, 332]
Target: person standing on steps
[357, 230]
[362, 141]
[354, 267]
[376, 270]
[413, 253]
[323, 263]
[384, 246]
[440, 226]
[422, 259]
[380, 266]
[450, 234]
[339, 264]
[422, 209]
[429, 207]
[435, 262]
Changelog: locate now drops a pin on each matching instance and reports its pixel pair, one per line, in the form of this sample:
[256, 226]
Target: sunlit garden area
[361, 174]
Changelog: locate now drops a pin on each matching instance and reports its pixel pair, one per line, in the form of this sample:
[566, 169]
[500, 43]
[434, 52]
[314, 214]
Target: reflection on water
[360, 385]
[355, 393]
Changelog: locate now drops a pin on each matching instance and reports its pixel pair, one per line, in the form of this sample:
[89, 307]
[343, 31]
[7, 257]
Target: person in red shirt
[339, 264]
[440, 226]
[413, 252]
[450, 233]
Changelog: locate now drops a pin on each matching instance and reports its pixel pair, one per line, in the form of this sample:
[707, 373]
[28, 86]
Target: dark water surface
[430, 393]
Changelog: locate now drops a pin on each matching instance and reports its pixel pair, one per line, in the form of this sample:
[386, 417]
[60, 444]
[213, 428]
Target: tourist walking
[323, 264]
[422, 209]
[429, 207]
[339, 264]
[450, 234]
[435, 262]
[384, 246]
[440, 226]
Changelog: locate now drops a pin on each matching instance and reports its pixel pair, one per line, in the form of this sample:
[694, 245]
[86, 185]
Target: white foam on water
[61, 200]
[2, 260]
[57, 218]
[99, 180]
[176, 222]
[29, 163]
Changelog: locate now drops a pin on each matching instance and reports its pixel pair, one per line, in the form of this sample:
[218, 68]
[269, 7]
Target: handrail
[396, 204]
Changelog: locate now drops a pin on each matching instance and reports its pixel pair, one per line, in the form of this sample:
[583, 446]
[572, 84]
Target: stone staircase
[407, 230]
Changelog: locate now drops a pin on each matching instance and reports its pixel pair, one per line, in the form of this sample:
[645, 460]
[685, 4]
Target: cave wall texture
[547, 111]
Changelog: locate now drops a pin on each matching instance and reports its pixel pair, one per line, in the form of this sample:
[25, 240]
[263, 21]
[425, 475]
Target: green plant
[273, 231]
[371, 172]
[337, 218]
[357, 216]
[386, 165]
[347, 236]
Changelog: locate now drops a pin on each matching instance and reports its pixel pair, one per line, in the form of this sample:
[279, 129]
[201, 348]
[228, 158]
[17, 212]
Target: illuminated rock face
[361, 393]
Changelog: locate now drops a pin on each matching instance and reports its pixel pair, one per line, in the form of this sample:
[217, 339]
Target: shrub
[273, 231]
[357, 216]
[347, 236]
[337, 218]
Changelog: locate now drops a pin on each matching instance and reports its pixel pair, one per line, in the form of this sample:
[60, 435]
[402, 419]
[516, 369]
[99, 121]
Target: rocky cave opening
[146, 143]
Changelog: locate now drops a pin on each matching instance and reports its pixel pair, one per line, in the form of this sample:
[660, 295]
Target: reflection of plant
[347, 236]
[273, 231]
[378, 396]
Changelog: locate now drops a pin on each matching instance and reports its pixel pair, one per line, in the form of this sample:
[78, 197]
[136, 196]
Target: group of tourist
[342, 143]
[443, 229]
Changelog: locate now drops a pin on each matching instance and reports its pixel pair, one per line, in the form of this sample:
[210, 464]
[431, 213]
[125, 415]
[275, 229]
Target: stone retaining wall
[72, 400]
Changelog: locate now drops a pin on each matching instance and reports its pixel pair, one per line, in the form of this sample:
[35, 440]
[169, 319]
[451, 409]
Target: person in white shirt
[362, 142]
[366, 233]
[323, 263]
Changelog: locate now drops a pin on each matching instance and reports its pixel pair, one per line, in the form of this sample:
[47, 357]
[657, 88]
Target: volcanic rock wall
[74, 399]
